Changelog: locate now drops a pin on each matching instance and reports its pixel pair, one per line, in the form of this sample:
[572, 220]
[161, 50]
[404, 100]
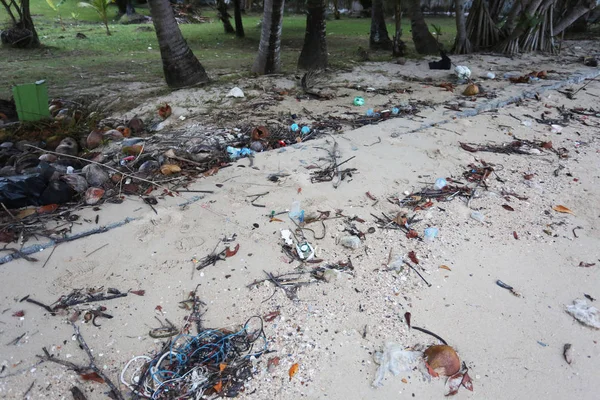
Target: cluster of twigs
[332, 172]
[517, 146]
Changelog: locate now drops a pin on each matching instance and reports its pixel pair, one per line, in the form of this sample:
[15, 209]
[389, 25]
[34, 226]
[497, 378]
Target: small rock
[49, 158]
[236, 92]
[149, 166]
[94, 139]
[95, 175]
[68, 146]
[257, 146]
[93, 195]
[7, 145]
[113, 134]
[75, 182]
[136, 124]
[401, 61]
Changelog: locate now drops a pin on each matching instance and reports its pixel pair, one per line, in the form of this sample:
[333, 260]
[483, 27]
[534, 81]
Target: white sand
[496, 333]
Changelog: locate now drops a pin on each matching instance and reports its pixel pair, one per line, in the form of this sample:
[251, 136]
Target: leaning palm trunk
[399, 46]
[180, 66]
[379, 38]
[268, 60]
[314, 50]
[462, 44]
[237, 12]
[424, 41]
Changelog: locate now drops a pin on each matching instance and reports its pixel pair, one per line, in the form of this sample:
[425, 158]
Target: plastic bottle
[440, 183]
[296, 213]
[294, 127]
[395, 111]
[351, 242]
[370, 112]
[305, 130]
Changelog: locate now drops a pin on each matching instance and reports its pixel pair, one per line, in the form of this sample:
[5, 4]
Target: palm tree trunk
[581, 8]
[237, 12]
[314, 51]
[224, 16]
[28, 24]
[379, 38]
[399, 46]
[336, 10]
[462, 45]
[268, 60]
[180, 66]
[424, 41]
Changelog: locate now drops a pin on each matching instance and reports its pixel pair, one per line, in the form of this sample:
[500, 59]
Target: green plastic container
[31, 100]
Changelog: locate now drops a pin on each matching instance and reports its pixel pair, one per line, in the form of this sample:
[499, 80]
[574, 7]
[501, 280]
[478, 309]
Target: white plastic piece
[236, 92]
[587, 315]
[394, 359]
[462, 72]
[286, 235]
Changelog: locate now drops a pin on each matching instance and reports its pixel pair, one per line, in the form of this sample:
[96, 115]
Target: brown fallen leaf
[19, 314]
[507, 207]
[586, 265]
[412, 234]
[165, 111]
[404, 380]
[47, 209]
[218, 386]
[170, 169]
[231, 253]
[447, 268]
[400, 219]
[222, 367]
[370, 196]
[293, 370]
[271, 316]
[211, 171]
[272, 363]
[92, 376]
[528, 177]
[138, 292]
[25, 213]
[562, 209]
[467, 383]
[407, 318]
[413, 257]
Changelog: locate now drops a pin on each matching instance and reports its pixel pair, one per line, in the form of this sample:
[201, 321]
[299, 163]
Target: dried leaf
[47, 209]
[467, 147]
[467, 383]
[413, 257]
[158, 308]
[231, 253]
[75, 316]
[412, 234]
[299, 190]
[211, 171]
[272, 363]
[260, 133]
[404, 380]
[25, 213]
[293, 370]
[562, 209]
[407, 318]
[271, 316]
[516, 235]
[586, 265]
[170, 169]
[546, 145]
[165, 111]
[92, 376]
[222, 367]
[507, 207]
[370, 196]
[453, 384]
[528, 177]
[218, 387]
[134, 150]
[447, 268]
[19, 314]
[275, 220]
[138, 292]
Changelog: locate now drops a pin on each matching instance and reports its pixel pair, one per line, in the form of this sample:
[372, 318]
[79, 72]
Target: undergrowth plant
[101, 8]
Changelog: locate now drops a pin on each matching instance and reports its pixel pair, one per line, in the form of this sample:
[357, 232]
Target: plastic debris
[351, 242]
[556, 128]
[395, 360]
[440, 183]
[359, 101]
[236, 92]
[395, 111]
[430, 234]
[463, 73]
[305, 130]
[305, 251]
[477, 216]
[370, 112]
[294, 127]
[490, 75]
[286, 235]
[235, 153]
[527, 122]
[296, 212]
[444, 63]
[587, 315]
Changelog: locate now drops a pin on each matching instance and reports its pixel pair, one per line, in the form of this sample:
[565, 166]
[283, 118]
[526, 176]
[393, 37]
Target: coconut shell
[442, 360]
[94, 139]
[471, 90]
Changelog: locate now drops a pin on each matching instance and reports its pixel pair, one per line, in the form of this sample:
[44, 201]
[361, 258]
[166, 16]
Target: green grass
[129, 55]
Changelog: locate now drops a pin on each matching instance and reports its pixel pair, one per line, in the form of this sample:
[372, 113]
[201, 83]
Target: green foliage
[101, 8]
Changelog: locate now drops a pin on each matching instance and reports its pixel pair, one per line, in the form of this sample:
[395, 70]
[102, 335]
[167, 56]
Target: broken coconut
[471, 90]
[441, 360]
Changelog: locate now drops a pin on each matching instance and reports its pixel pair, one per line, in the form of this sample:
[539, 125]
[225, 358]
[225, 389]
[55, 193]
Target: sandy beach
[513, 345]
